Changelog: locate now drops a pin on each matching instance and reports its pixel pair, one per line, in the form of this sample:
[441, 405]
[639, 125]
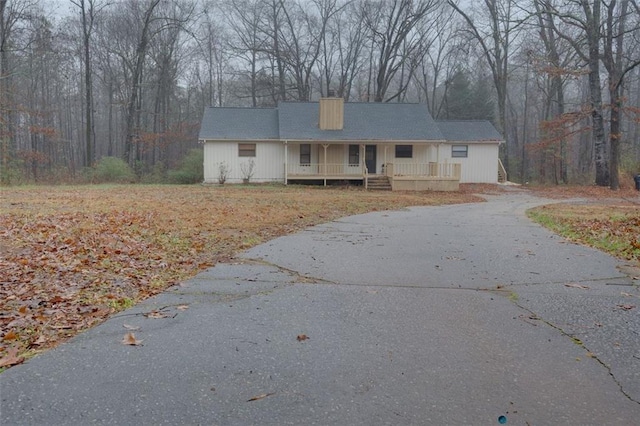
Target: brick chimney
[331, 113]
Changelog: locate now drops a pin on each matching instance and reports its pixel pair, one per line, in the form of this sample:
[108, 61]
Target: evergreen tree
[482, 105]
[458, 97]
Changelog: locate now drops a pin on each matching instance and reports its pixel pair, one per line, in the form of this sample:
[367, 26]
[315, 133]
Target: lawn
[597, 217]
[72, 256]
[610, 227]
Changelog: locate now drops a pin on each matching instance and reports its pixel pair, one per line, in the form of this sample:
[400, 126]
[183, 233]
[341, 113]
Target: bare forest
[129, 79]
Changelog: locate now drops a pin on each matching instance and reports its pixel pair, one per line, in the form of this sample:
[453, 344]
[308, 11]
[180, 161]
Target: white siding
[481, 164]
[269, 161]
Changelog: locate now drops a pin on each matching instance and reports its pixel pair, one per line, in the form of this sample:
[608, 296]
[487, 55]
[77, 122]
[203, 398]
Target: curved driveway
[431, 315]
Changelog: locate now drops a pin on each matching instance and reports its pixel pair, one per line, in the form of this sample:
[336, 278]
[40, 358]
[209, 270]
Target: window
[404, 151]
[246, 150]
[459, 151]
[305, 154]
[354, 155]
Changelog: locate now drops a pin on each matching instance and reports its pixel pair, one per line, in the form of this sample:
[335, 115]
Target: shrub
[223, 172]
[191, 168]
[112, 170]
[247, 170]
[12, 174]
[157, 174]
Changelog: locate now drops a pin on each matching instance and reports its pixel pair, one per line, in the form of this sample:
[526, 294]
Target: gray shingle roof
[469, 130]
[239, 123]
[362, 121]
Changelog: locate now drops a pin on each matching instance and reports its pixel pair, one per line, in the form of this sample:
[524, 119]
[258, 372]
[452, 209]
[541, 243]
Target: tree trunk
[133, 113]
[597, 120]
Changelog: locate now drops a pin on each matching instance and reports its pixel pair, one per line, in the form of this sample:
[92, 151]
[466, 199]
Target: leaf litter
[70, 257]
[130, 339]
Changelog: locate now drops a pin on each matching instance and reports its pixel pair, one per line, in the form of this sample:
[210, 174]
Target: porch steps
[378, 183]
[502, 172]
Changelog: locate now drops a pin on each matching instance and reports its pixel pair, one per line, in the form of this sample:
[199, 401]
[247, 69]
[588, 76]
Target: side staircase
[502, 173]
[379, 183]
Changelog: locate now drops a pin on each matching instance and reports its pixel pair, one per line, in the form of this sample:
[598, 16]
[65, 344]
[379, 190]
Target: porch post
[363, 163]
[325, 146]
[286, 160]
[385, 159]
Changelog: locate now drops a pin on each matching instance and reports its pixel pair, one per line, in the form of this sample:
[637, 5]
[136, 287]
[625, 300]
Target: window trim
[459, 151]
[406, 151]
[305, 157]
[354, 155]
[246, 150]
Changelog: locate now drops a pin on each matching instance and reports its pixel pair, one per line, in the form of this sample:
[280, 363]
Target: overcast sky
[57, 8]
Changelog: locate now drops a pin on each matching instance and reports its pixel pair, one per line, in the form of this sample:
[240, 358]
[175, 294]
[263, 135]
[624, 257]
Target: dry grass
[604, 219]
[72, 256]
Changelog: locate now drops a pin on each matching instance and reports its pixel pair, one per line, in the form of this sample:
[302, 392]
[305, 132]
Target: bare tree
[89, 9]
[133, 109]
[306, 32]
[13, 13]
[441, 59]
[341, 57]
[247, 42]
[618, 64]
[495, 32]
[601, 40]
[395, 42]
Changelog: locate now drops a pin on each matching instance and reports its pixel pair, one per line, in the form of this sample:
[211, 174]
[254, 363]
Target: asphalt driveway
[430, 315]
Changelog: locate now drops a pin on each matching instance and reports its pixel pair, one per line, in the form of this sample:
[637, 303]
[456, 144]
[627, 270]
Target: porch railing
[447, 170]
[325, 169]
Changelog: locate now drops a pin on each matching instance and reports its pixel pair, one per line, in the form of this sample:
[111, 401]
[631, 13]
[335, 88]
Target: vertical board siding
[481, 164]
[269, 161]
[331, 114]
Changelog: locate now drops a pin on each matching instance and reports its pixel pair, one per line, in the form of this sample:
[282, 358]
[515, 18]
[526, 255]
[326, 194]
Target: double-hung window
[305, 154]
[354, 155]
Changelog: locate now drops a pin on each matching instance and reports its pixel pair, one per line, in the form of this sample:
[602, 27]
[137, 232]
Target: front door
[370, 158]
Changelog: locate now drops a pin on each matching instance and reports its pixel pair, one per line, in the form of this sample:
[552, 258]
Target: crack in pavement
[575, 340]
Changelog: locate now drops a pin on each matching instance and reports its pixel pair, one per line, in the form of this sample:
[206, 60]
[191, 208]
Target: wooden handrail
[502, 170]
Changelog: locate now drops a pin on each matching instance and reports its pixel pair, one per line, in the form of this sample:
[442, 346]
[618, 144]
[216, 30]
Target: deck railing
[435, 170]
[446, 170]
[325, 169]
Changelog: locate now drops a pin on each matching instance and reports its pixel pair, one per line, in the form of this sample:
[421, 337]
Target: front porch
[402, 177]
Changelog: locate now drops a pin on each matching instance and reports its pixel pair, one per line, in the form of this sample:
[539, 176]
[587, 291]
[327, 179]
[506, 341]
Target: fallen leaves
[11, 358]
[259, 397]
[576, 285]
[626, 307]
[70, 257]
[130, 339]
[10, 336]
[155, 315]
[614, 229]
